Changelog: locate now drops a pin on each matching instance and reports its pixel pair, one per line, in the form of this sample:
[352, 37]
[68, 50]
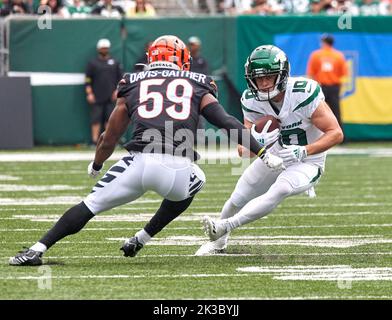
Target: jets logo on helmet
[264, 61]
[169, 52]
[281, 57]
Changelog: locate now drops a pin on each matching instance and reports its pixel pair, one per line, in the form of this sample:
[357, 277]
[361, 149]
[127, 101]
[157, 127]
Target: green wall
[60, 113]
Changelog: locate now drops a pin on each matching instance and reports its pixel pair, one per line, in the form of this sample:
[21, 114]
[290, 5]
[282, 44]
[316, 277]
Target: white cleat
[212, 247]
[214, 229]
[311, 193]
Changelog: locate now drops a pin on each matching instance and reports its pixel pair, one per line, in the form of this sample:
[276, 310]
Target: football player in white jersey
[308, 128]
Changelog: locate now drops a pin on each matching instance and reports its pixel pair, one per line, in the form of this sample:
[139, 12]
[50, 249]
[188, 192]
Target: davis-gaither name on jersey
[134, 77]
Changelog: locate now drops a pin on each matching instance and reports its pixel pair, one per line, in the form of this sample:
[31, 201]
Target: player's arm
[324, 119]
[117, 124]
[248, 124]
[242, 151]
[88, 82]
[216, 114]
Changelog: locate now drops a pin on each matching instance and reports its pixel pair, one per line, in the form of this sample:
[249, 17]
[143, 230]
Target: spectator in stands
[234, 7]
[265, 7]
[55, 7]
[388, 5]
[211, 7]
[5, 8]
[295, 6]
[373, 7]
[339, 7]
[108, 10]
[199, 63]
[328, 67]
[13, 7]
[90, 3]
[141, 9]
[79, 9]
[320, 6]
[102, 75]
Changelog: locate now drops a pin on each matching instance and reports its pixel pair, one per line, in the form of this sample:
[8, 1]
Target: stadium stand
[192, 8]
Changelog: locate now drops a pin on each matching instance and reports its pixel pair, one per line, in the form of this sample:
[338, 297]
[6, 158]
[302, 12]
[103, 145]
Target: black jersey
[164, 106]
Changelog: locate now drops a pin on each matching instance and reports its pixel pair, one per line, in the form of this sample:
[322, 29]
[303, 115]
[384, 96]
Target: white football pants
[259, 190]
[173, 178]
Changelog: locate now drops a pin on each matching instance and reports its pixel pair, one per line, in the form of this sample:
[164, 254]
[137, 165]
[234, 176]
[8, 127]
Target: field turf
[334, 246]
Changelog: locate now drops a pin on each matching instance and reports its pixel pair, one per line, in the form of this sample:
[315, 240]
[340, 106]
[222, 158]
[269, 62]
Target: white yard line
[322, 273]
[307, 241]
[197, 216]
[330, 241]
[71, 200]
[22, 187]
[227, 255]
[208, 154]
[127, 276]
[56, 200]
[380, 225]
[9, 178]
[313, 273]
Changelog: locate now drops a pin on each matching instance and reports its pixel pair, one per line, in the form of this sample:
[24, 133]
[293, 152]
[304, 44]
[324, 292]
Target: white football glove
[265, 138]
[273, 162]
[292, 154]
[92, 172]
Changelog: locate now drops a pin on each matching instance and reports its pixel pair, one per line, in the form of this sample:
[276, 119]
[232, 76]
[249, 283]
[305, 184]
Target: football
[261, 122]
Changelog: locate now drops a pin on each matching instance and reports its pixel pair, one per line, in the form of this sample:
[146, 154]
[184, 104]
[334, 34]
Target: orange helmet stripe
[172, 49]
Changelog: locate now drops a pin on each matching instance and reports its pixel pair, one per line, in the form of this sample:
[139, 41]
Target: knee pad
[238, 199]
[282, 188]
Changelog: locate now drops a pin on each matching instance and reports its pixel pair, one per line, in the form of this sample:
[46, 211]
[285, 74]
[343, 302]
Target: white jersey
[302, 97]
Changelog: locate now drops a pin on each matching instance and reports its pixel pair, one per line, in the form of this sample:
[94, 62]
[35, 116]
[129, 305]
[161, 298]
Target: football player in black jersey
[163, 103]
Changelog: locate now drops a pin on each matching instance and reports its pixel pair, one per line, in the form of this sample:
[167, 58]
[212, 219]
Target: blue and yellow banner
[367, 45]
[366, 93]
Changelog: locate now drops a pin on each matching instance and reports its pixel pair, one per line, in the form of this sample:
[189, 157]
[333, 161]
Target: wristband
[261, 153]
[97, 167]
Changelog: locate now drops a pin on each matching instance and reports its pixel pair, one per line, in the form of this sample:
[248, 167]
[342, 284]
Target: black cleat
[26, 257]
[131, 247]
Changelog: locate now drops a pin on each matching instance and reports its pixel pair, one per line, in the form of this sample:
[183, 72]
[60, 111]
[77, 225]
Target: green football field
[334, 246]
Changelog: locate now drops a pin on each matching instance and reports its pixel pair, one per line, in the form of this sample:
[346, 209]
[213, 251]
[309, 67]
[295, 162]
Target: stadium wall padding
[61, 114]
[16, 123]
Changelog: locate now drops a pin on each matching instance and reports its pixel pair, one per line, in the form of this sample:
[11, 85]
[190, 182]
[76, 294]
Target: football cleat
[26, 257]
[214, 229]
[131, 247]
[212, 247]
